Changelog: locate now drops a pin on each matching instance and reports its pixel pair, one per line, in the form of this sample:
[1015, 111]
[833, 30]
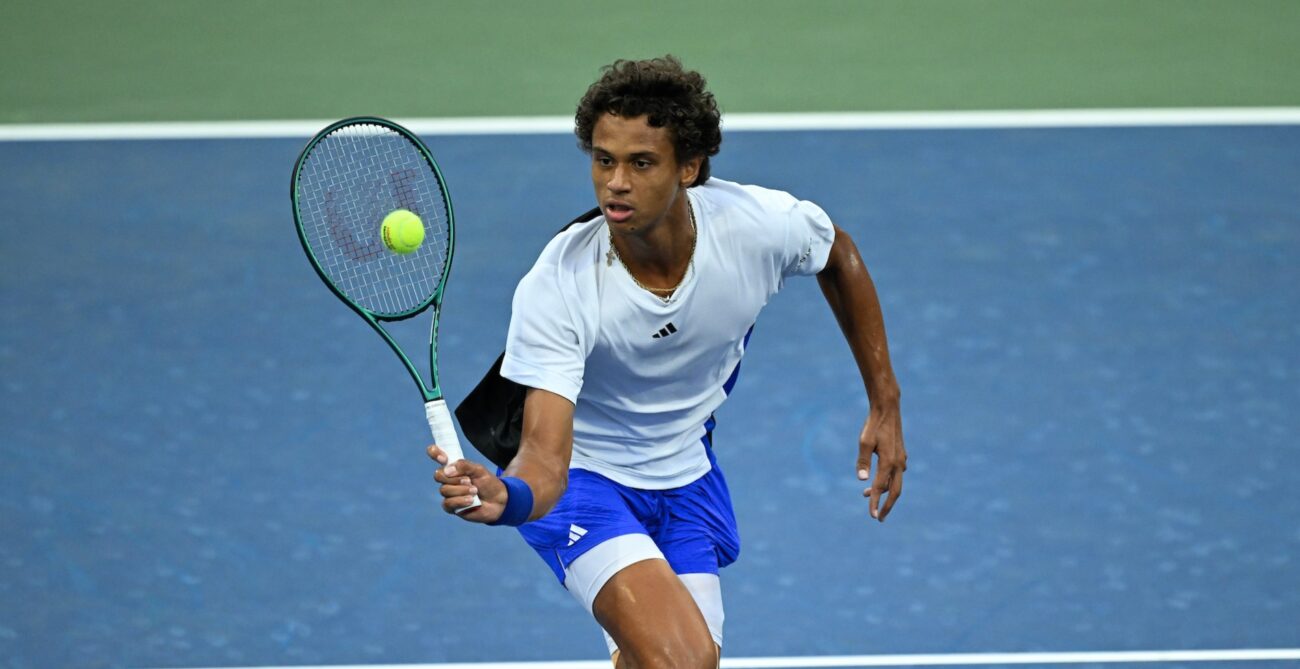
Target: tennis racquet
[348, 178]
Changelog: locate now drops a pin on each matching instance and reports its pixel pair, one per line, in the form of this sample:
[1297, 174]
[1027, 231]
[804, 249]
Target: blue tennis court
[209, 461]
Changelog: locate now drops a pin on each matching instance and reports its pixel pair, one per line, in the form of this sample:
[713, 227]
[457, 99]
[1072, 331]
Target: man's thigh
[653, 617]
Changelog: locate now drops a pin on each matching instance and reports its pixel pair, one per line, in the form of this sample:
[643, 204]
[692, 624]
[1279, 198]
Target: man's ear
[689, 170]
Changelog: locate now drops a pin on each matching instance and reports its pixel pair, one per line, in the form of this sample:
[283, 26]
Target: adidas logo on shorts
[575, 533]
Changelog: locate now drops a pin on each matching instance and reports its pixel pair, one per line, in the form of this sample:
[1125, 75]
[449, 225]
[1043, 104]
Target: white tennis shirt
[645, 376]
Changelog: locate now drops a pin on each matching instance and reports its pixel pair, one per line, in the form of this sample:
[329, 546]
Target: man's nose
[618, 181]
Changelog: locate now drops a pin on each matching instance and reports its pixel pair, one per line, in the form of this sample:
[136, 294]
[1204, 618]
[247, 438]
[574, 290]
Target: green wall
[186, 60]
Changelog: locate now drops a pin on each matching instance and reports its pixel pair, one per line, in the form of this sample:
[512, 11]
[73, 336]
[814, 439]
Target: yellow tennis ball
[403, 231]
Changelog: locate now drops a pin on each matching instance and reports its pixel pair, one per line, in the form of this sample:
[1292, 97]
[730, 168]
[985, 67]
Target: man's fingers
[461, 489]
[452, 504]
[460, 483]
[446, 476]
[458, 469]
[866, 447]
[874, 506]
[895, 489]
[471, 469]
[888, 479]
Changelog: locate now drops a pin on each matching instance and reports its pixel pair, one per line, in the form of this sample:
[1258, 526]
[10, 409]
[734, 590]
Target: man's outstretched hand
[883, 436]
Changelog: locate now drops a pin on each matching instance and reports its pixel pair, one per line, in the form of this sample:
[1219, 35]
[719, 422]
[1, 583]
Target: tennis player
[628, 333]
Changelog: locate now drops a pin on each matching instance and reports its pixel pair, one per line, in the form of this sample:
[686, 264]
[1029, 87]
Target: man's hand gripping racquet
[348, 180]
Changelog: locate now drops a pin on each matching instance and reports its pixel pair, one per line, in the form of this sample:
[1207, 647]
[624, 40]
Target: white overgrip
[444, 437]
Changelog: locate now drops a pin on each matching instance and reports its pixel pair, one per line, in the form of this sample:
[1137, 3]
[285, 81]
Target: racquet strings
[349, 181]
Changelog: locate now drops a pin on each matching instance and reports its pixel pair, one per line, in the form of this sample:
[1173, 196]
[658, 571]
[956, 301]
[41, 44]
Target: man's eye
[604, 162]
[642, 164]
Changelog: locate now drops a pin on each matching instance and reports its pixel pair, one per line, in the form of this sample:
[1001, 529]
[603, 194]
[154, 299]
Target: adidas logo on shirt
[664, 331]
[575, 533]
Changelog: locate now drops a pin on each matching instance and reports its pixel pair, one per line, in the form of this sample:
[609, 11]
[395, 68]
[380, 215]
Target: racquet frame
[433, 390]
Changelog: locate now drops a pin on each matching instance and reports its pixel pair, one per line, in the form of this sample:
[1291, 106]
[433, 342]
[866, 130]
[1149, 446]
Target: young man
[628, 333]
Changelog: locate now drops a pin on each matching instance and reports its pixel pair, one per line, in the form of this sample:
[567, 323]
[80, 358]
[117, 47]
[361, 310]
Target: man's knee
[669, 654]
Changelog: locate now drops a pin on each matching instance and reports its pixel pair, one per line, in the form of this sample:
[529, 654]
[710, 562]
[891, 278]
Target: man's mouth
[617, 212]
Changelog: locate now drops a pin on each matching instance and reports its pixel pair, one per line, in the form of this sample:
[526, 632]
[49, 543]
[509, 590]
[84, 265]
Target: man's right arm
[546, 351]
[545, 446]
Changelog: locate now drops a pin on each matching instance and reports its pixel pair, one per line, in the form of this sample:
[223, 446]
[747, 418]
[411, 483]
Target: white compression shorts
[592, 570]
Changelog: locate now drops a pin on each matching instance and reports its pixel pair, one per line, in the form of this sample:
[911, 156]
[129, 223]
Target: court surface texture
[211, 462]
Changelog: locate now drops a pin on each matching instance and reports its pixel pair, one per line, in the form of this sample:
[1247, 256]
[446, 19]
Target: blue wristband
[519, 503]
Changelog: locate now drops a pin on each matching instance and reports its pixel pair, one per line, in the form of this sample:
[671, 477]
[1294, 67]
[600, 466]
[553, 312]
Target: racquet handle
[444, 436]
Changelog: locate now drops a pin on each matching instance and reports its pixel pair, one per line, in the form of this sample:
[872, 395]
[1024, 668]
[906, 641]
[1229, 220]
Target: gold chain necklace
[668, 297]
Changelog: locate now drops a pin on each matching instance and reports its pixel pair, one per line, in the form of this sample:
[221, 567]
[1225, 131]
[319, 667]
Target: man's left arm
[852, 297]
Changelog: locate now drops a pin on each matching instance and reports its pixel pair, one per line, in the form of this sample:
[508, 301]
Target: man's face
[635, 171]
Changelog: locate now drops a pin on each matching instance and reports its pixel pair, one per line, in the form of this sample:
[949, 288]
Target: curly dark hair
[667, 94]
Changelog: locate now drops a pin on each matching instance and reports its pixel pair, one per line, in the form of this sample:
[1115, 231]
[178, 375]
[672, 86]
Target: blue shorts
[694, 525]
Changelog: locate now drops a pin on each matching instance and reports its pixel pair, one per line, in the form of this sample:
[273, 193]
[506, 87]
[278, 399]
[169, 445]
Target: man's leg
[706, 590]
[617, 653]
[652, 617]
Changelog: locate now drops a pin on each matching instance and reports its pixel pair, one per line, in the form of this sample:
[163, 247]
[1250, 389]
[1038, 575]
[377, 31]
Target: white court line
[542, 125]
[925, 660]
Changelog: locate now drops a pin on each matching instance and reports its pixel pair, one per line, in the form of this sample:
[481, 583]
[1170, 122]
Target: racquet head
[348, 178]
